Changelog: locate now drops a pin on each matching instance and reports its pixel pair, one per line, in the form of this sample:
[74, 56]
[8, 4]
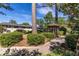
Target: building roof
[19, 25]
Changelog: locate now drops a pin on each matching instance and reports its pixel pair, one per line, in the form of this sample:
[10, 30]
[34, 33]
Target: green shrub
[71, 41]
[48, 35]
[59, 51]
[63, 29]
[23, 31]
[69, 53]
[28, 32]
[53, 54]
[10, 39]
[61, 32]
[35, 39]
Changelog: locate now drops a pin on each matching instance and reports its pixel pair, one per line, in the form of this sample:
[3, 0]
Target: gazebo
[54, 28]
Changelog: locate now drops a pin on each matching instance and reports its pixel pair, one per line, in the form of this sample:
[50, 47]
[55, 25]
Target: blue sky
[23, 13]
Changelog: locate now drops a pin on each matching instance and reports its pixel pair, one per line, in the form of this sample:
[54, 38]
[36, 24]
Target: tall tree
[49, 18]
[56, 6]
[7, 7]
[72, 10]
[34, 26]
[61, 21]
[40, 22]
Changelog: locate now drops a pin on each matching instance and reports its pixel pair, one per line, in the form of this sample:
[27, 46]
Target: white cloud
[39, 4]
[38, 17]
[26, 16]
[44, 10]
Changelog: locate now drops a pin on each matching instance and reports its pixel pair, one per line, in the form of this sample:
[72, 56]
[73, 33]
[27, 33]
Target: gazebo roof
[53, 25]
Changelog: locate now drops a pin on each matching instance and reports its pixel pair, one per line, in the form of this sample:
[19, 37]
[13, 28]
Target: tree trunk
[56, 13]
[34, 26]
[77, 48]
[56, 19]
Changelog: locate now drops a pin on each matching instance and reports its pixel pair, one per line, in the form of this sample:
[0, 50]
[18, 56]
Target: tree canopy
[48, 17]
[5, 6]
[25, 23]
[70, 9]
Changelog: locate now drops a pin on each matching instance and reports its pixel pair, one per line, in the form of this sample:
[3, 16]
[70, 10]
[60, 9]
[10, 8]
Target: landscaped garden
[9, 39]
[54, 36]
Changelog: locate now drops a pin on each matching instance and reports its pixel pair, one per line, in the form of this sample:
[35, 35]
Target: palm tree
[34, 26]
[5, 6]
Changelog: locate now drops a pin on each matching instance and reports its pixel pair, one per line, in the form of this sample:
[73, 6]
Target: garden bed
[9, 39]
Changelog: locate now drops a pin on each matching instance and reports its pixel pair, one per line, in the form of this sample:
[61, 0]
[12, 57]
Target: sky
[23, 13]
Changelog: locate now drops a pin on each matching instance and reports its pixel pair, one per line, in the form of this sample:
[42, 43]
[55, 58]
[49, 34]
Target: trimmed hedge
[24, 32]
[10, 39]
[71, 41]
[48, 35]
[35, 39]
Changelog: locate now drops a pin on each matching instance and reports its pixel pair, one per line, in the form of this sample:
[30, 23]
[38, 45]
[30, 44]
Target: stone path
[44, 48]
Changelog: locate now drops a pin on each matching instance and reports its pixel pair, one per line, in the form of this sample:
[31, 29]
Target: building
[8, 27]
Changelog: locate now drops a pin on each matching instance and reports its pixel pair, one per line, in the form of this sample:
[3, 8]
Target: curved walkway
[22, 42]
[42, 48]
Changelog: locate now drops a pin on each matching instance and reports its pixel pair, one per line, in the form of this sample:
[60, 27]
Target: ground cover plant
[59, 51]
[21, 52]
